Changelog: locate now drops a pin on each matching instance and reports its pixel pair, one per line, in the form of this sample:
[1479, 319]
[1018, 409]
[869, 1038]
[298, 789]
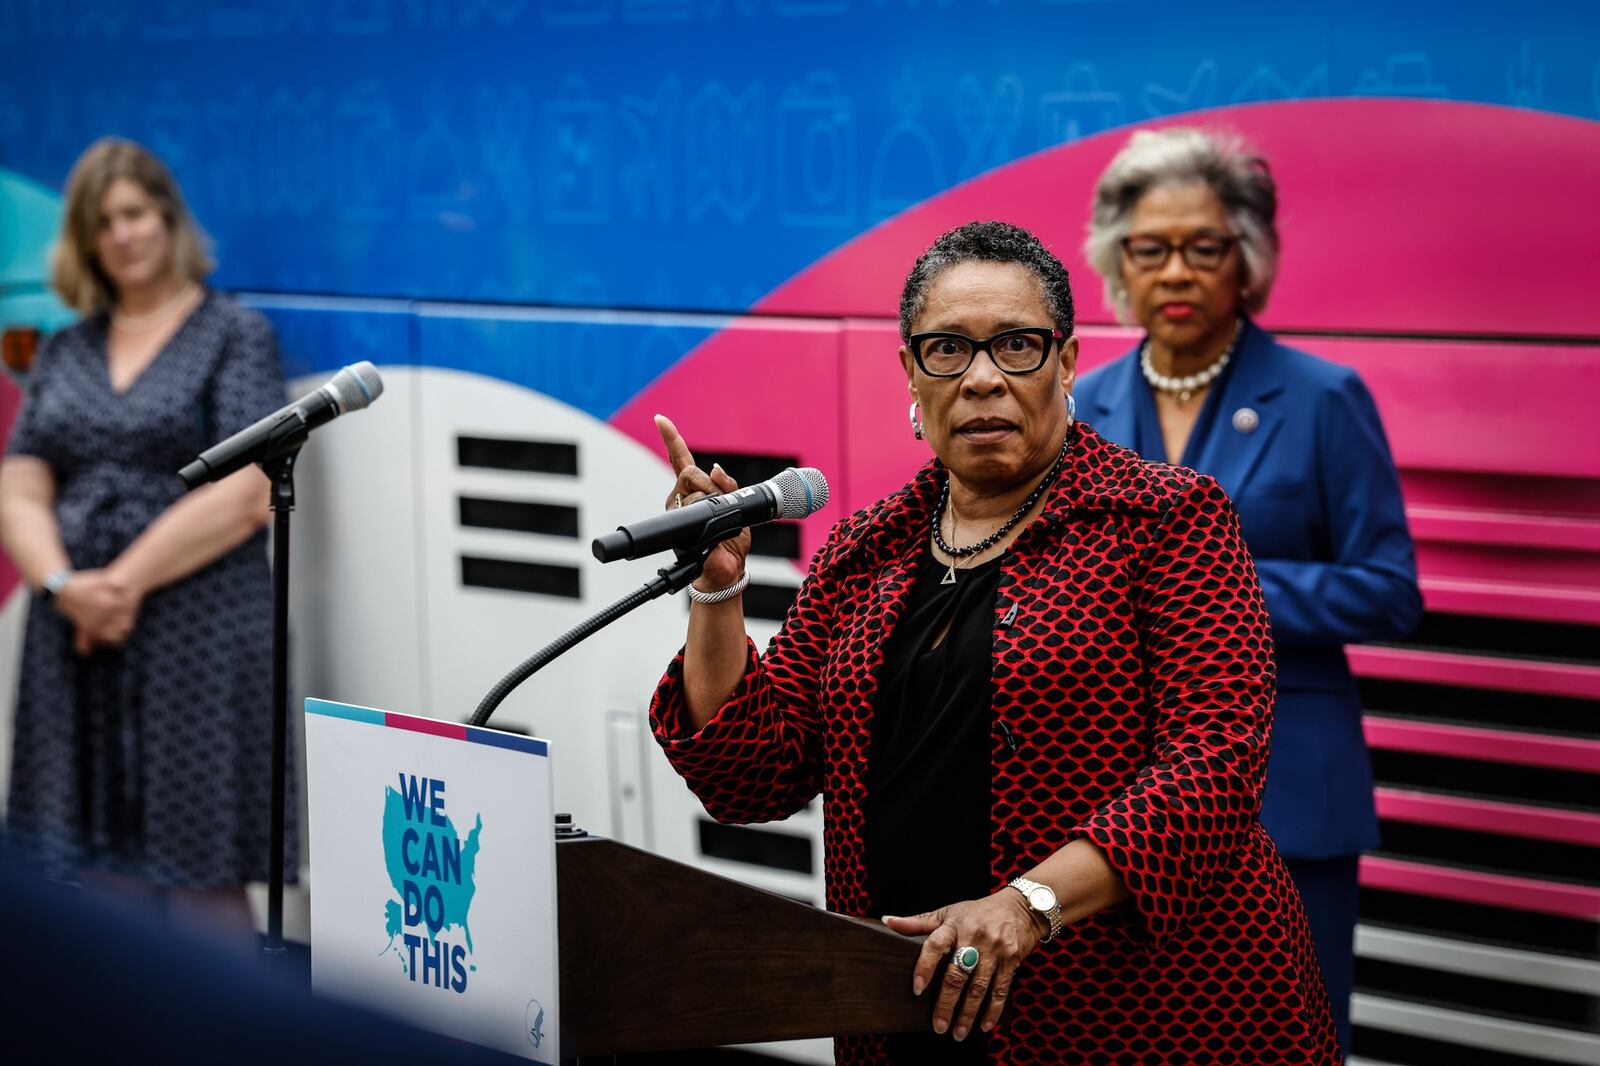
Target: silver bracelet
[721, 594]
[50, 588]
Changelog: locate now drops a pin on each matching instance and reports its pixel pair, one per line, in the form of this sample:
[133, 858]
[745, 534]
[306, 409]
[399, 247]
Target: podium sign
[433, 879]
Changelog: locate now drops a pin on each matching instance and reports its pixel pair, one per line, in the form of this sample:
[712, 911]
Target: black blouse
[928, 774]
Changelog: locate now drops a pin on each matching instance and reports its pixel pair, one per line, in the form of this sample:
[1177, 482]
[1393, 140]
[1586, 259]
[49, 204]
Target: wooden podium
[656, 956]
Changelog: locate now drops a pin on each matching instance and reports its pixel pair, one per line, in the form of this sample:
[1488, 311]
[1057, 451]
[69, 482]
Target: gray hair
[988, 242]
[1224, 164]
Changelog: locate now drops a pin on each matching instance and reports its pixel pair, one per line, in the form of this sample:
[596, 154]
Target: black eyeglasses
[1014, 351]
[1205, 252]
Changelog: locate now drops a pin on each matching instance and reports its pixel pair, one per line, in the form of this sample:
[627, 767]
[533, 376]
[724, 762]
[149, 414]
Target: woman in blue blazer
[1183, 235]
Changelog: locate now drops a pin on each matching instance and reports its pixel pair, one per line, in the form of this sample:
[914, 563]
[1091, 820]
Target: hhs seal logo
[533, 1022]
[432, 871]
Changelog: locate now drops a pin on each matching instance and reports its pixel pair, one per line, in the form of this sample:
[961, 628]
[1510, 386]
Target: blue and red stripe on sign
[494, 738]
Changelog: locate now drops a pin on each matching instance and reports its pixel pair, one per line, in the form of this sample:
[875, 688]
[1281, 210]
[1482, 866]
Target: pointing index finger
[678, 453]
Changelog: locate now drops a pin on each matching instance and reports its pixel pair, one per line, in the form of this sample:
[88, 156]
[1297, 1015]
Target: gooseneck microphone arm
[691, 532]
[668, 579]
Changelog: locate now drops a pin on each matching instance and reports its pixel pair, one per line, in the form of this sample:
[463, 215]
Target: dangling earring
[1072, 411]
[916, 423]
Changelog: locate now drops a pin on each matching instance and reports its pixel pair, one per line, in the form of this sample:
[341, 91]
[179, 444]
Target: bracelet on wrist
[720, 595]
[53, 583]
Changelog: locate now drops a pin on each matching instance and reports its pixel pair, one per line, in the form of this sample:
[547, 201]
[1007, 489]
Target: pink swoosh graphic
[1396, 217]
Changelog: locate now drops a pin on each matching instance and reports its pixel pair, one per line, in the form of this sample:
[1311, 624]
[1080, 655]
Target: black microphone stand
[691, 562]
[279, 453]
[280, 468]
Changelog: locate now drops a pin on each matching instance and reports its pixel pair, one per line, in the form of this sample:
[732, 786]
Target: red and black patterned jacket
[1132, 681]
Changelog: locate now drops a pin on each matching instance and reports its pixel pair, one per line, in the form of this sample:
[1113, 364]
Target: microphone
[795, 493]
[351, 389]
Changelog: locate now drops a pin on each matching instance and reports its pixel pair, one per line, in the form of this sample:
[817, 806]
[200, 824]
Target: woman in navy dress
[1184, 236]
[142, 747]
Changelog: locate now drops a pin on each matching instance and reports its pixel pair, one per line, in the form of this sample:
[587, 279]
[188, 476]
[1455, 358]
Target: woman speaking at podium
[1035, 687]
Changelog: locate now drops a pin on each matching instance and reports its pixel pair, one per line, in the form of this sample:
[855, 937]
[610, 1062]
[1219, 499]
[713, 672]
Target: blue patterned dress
[152, 759]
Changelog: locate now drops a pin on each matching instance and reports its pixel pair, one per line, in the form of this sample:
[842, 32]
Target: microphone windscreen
[356, 386]
[801, 491]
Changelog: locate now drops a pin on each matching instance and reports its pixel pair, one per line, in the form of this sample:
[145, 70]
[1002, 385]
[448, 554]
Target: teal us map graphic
[433, 873]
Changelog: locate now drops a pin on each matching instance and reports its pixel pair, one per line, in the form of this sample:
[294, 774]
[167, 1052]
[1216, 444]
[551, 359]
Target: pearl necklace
[151, 319]
[962, 555]
[1185, 388]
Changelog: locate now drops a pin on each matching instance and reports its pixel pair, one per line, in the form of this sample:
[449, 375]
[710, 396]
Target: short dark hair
[988, 242]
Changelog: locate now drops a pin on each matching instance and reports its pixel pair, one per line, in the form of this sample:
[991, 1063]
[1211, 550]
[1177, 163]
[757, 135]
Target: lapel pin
[1245, 420]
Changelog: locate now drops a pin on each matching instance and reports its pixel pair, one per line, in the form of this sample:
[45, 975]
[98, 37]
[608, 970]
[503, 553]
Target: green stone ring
[966, 959]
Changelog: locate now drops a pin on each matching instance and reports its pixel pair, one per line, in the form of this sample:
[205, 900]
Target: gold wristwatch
[1042, 899]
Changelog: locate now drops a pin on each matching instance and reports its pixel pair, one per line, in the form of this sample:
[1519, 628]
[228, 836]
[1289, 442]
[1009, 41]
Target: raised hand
[726, 562]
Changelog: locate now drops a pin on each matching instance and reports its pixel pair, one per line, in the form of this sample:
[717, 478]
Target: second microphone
[795, 493]
[285, 429]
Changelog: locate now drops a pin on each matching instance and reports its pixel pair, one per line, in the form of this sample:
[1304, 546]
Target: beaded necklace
[973, 549]
[1181, 389]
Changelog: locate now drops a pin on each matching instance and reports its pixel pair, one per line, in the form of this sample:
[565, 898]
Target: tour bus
[537, 266]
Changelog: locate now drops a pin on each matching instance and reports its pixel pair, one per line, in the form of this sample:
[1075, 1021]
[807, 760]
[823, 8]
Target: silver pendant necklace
[950, 571]
[971, 550]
